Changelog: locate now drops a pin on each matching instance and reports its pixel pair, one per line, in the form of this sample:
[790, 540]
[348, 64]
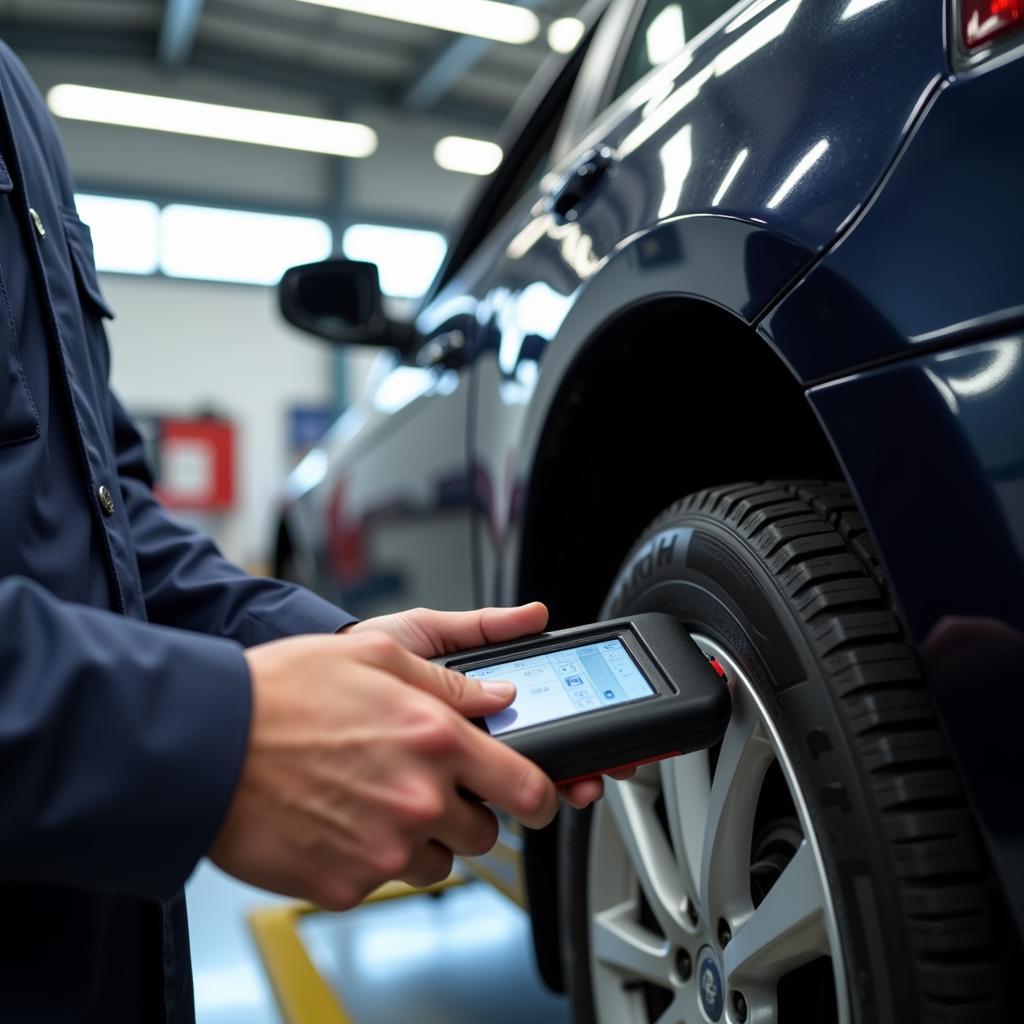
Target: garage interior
[191, 233]
[690, 332]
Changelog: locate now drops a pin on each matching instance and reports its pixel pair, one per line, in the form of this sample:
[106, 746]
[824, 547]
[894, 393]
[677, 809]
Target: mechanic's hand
[359, 766]
[429, 633]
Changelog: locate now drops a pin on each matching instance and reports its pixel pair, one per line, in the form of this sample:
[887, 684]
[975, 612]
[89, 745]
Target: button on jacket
[124, 694]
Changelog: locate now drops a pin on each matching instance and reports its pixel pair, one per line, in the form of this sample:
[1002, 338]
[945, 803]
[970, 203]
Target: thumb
[467, 695]
[482, 697]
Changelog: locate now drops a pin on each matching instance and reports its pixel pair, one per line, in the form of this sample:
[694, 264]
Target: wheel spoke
[632, 805]
[785, 931]
[725, 859]
[617, 940]
[686, 783]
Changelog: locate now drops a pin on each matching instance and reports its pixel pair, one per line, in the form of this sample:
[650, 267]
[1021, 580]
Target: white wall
[181, 346]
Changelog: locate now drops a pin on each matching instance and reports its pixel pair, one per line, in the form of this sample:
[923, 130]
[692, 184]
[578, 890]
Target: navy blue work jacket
[124, 694]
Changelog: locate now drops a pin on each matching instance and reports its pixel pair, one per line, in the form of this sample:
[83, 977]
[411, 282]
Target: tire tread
[812, 538]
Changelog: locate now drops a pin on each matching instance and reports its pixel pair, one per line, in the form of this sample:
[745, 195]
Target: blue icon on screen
[609, 694]
[573, 680]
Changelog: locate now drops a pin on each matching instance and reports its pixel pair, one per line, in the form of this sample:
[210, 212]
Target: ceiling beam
[445, 69]
[178, 31]
[340, 89]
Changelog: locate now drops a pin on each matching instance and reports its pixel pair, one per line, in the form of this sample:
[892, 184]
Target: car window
[661, 31]
[533, 127]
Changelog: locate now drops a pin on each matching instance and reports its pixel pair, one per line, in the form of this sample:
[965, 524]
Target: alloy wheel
[707, 895]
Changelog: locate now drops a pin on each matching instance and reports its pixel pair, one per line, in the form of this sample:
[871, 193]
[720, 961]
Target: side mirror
[340, 300]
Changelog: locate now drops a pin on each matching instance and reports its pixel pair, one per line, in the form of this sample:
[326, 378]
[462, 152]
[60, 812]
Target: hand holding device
[601, 697]
[358, 758]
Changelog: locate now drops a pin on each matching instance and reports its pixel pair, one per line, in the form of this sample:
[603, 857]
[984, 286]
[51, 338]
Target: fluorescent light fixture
[407, 259]
[468, 156]
[212, 121]
[806, 162]
[125, 233]
[504, 23]
[666, 35]
[236, 245]
[564, 34]
[730, 174]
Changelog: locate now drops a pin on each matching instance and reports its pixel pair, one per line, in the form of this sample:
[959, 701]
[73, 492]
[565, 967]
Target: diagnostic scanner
[609, 695]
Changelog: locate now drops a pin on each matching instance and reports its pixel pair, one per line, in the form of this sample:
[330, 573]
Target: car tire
[820, 863]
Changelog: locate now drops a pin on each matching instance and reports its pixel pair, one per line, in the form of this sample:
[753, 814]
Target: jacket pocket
[80, 246]
[19, 419]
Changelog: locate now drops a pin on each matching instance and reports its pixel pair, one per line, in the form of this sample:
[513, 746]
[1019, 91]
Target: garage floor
[461, 958]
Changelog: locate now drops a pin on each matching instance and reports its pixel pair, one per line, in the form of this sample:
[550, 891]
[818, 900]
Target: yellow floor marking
[302, 993]
[502, 868]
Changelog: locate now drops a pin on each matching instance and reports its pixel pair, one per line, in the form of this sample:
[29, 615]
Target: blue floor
[461, 958]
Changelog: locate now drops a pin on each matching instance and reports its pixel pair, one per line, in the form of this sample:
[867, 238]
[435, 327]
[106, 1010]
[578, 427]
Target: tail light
[985, 21]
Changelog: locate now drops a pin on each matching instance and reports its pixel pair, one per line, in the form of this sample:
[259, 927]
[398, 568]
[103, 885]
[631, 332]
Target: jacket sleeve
[120, 744]
[187, 582]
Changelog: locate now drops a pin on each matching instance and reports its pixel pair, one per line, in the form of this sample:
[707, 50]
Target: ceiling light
[212, 121]
[564, 34]
[504, 23]
[469, 156]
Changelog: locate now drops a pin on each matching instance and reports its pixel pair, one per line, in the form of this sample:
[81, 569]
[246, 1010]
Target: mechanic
[151, 711]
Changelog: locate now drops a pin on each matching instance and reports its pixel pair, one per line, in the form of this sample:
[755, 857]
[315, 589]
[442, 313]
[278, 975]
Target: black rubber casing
[689, 711]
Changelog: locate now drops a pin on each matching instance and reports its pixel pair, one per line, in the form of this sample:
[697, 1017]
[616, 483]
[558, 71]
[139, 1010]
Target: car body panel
[934, 448]
[936, 257]
[381, 523]
[662, 223]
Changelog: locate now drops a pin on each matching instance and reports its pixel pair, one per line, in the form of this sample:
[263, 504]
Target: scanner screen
[570, 681]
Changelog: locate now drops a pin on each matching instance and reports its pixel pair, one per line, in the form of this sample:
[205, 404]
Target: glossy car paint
[861, 150]
[936, 257]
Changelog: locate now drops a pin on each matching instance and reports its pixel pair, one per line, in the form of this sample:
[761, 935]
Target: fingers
[468, 829]
[428, 633]
[431, 863]
[583, 793]
[502, 777]
[457, 631]
[470, 697]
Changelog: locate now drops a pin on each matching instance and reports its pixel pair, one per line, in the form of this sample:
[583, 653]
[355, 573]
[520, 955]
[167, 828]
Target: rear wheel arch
[672, 396]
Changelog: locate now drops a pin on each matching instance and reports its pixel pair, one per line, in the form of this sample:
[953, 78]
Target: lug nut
[739, 1004]
[724, 934]
[684, 964]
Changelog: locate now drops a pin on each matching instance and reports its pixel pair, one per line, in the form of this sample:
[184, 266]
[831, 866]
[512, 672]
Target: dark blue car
[737, 332]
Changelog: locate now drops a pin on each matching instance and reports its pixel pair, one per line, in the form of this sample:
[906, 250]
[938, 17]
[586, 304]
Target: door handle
[579, 182]
[444, 350]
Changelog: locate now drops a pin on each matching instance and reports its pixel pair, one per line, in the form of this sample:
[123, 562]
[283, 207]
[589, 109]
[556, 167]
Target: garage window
[211, 244]
[134, 236]
[407, 258]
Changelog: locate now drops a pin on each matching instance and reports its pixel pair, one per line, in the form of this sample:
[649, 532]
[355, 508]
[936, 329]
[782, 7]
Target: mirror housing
[341, 301]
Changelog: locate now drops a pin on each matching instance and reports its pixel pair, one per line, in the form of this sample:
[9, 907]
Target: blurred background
[215, 143]
[199, 194]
